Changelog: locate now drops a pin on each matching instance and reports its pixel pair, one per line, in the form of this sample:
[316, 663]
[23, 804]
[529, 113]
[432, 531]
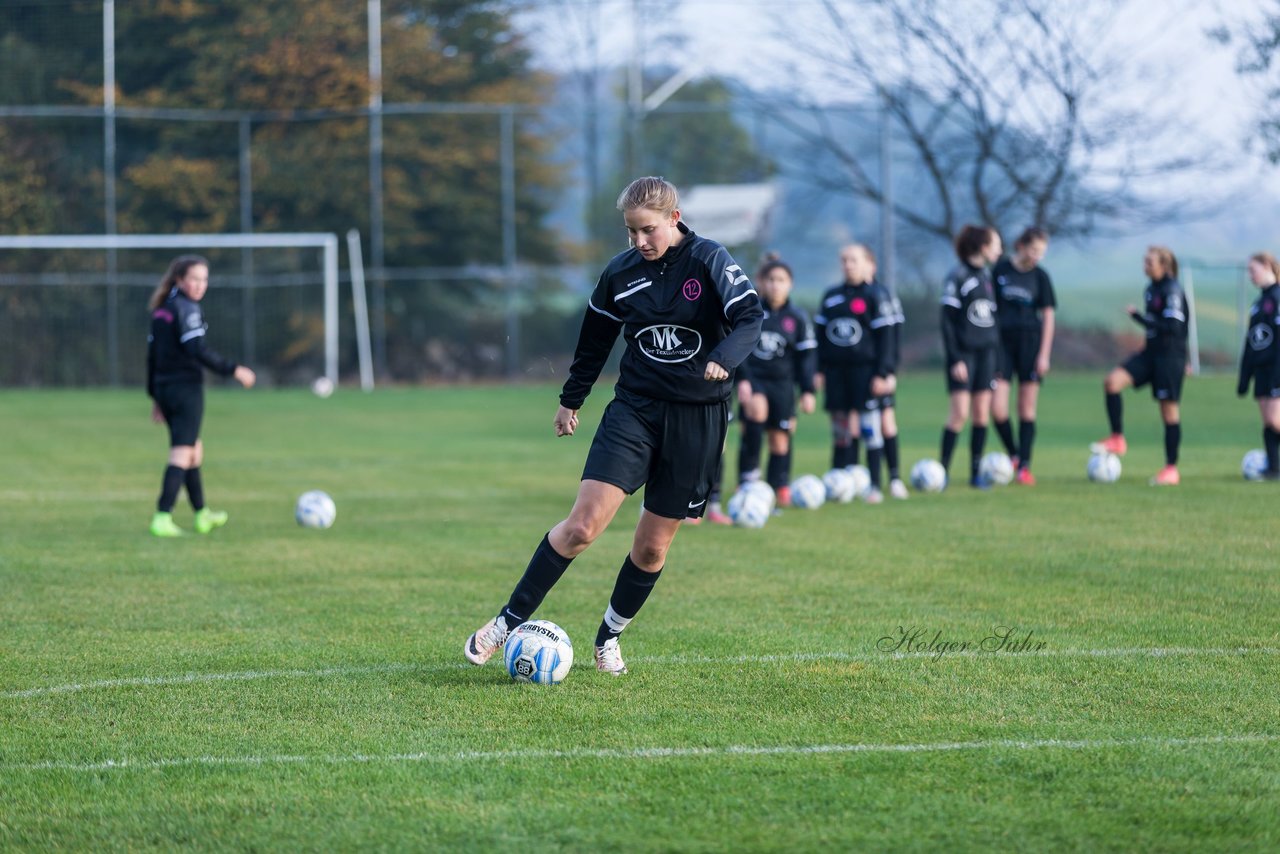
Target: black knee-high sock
[544, 570]
[776, 474]
[1026, 439]
[977, 442]
[195, 489]
[1172, 438]
[891, 456]
[874, 456]
[1271, 441]
[749, 450]
[1115, 412]
[949, 439]
[172, 483]
[629, 592]
[714, 496]
[1005, 430]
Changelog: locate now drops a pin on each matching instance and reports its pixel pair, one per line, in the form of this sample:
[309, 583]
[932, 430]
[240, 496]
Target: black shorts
[182, 405]
[1018, 352]
[1266, 385]
[672, 449]
[848, 388]
[781, 395]
[982, 365]
[1165, 372]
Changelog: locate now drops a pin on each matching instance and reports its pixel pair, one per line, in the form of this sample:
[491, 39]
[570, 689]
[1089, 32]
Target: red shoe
[1168, 476]
[1026, 478]
[716, 516]
[784, 496]
[1113, 444]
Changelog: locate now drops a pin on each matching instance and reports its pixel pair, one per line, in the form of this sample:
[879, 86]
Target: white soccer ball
[839, 484]
[749, 508]
[1254, 464]
[861, 480]
[997, 468]
[322, 387]
[538, 651]
[1104, 468]
[315, 510]
[762, 489]
[928, 476]
[808, 492]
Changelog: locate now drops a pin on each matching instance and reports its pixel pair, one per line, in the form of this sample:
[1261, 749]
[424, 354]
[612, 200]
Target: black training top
[1164, 315]
[968, 313]
[176, 349]
[1021, 296]
[854, 324]
[692, 306]
[785, 351]
[1262, 341]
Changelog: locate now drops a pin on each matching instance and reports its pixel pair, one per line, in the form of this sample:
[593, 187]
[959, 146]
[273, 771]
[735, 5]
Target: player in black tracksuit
[1025, 317]
[971, 343]
[1260, 360]
[1162, 363]
[887, 403]
[177, 357]
[855, 355]
[783, 359]
[688, 316]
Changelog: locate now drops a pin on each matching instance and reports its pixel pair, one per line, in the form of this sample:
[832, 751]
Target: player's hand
[880, 386]
[1042, 366]
[158, 416]
[245, 376]
[960, 372]
[715, 372]
[808, 403]
[566, 421]
[1133, 312]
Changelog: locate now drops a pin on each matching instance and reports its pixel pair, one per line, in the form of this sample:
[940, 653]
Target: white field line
[642, 753]
[251, 675]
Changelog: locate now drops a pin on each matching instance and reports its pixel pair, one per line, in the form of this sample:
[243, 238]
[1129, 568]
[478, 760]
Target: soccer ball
[1104, 468]
[1254, 464]
[808, 492]
[928, 476]
[861, 480]
[762, 489]
[997, 468]
[750, 508]
[322, 387]
[315, 510]
[538, 651]
[839, 484]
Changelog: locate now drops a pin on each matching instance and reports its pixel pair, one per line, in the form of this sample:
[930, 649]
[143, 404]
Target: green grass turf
[327, 705]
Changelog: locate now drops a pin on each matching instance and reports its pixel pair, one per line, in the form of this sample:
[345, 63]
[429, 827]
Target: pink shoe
[1026, 478]
[1113, 444]
[689, 520]
[487, 640]
[717, 517]
[1168, 476]
[784, 496]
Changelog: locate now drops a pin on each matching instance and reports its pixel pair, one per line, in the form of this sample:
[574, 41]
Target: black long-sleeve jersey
[176, 348]
[786, 349]
[692, 306]
[854, 327]
[1262, 341]
[1020, 297]
[1165, 315]
[968, 312]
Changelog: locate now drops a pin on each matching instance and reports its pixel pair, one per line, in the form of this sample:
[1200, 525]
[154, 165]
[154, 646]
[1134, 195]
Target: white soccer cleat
[898, 489]
[486, 640]
[609, 658]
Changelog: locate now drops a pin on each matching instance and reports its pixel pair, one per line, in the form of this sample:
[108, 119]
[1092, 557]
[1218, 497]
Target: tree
[1256, 38]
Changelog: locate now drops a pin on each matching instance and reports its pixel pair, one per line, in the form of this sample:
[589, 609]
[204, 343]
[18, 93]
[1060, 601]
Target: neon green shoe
[207, 520]
[162, 525]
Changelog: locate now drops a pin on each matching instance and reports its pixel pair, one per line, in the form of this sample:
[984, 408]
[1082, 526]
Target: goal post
[326, 242]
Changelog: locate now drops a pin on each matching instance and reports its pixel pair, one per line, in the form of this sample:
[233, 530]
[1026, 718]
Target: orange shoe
[784, 496]
[1113, 444]
[1168, 476]
[717, 516]
[1026, 478]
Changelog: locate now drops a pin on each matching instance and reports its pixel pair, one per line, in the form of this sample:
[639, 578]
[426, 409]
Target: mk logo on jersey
[982, 312]
[669, 343]
[1260, 336]
[844, 332]
[770, 346]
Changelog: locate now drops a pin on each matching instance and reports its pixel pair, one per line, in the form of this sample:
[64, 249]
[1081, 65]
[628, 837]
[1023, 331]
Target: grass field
[269, 687]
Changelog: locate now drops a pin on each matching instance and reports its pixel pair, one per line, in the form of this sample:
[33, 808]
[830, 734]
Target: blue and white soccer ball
[861, 480]
[840, 485]
[996, 468]
[808, 492]
[538, 651]
[762, 489]
[928, 476]
[1104, 468]
[1254, 464]
[750, 508]
[315, 509]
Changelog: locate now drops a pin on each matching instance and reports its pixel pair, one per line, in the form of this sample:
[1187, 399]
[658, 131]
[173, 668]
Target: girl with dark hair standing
[176, 358]
[1260, 361]
[1162, 363]
[971, 343]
